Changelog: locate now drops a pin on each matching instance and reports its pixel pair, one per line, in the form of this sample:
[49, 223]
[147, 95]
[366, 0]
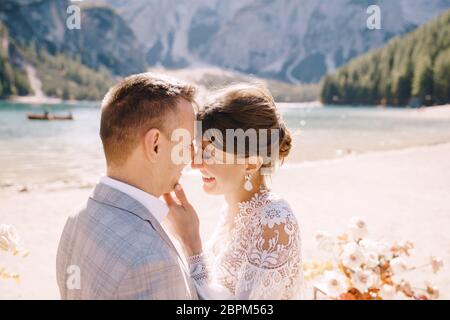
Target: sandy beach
[402, 194]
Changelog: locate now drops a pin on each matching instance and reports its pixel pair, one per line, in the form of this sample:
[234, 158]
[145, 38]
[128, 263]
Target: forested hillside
[409, 70]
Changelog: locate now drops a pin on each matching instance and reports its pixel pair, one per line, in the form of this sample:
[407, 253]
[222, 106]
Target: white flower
[4, 243]
[387, 292]
[324, 241]
[358, 228]
[3, 229]
[436, 264]
[352, 256]
[373, 250]
[398, 265]
[335, 283]
[371, 259]
[9, 239]
[369, 245]
[384, 250]
[363, 280]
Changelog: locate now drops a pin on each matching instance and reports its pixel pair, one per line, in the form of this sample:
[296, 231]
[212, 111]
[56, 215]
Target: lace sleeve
[274, 268]
[200, 273]
[200, 264]
[198, 268]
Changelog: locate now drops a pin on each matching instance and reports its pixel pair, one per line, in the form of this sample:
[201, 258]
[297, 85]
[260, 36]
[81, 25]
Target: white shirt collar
[156, 207]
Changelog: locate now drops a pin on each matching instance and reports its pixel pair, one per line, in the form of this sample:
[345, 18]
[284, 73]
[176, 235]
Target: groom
[114, 247]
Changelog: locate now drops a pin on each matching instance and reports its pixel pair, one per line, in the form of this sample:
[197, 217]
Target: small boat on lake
[48, 116]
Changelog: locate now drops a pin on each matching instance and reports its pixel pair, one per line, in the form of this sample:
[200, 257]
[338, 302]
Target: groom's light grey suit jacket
[114, 248]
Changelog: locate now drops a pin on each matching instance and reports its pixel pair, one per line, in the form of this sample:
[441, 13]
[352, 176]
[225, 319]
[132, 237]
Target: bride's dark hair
[246, 106]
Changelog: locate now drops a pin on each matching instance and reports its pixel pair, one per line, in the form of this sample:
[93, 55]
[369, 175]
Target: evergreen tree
[423, 81]
[441, 77]
[416, 65]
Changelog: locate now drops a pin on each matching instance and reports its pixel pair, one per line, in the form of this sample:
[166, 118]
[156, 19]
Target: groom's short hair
[135, 105]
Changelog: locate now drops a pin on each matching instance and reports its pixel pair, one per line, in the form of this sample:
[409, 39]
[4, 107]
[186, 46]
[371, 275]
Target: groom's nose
[197, 159]
[197, 162]
[196, 165]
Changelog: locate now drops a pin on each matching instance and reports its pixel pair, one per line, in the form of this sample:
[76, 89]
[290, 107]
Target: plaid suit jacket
[113, 248]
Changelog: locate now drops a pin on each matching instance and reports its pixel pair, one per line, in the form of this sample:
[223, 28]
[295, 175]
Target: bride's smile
[207, 179]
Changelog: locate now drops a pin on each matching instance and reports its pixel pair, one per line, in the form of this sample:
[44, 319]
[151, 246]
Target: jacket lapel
[117, 199]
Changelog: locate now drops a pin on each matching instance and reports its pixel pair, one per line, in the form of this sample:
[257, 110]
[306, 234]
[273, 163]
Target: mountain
[285, 40]
[413, 69]
[291, 40]
[26, 70]
[210, 79]
[38, 51]
[13, 80]
[104, 40]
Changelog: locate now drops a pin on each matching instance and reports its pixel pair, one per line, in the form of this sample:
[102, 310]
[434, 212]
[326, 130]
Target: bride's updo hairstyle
[247, 106]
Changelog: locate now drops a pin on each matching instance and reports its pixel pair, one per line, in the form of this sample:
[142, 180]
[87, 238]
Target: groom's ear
[152, 141]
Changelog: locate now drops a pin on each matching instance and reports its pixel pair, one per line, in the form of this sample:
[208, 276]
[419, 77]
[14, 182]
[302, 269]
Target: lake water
[68, 153]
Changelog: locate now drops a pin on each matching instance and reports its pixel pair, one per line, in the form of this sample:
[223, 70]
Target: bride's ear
[253, 164]
[152, 141]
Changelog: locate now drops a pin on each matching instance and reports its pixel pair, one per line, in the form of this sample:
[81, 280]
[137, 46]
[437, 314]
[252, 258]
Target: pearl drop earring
[248, 184]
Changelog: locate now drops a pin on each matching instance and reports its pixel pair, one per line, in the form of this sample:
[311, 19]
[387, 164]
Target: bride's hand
[183, 221]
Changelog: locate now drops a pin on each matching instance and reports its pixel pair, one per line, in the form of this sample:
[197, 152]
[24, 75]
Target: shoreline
[8, 187]
[437, 110]
[33, 100]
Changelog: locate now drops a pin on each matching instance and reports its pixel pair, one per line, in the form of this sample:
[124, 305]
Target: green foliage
[13, 81]
[288, 92]
[415, 66]
[66, 77]
[61, 76]
[441, 77]
[423, 80]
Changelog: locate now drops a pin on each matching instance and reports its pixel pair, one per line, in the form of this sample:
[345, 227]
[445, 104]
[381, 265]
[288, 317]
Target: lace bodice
[256, 258]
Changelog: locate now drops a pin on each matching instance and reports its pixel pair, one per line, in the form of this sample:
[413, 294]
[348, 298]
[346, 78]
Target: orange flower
[406, 288]
[347, 296]
[432, 291]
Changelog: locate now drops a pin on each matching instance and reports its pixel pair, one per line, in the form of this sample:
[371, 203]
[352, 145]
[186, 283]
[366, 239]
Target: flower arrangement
[364, 269]
[9, 242]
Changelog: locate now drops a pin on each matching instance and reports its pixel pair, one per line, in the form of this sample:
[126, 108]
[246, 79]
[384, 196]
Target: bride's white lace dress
[257, 258]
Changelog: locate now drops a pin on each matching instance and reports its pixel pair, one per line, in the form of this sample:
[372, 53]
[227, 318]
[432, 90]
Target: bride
[255, 250]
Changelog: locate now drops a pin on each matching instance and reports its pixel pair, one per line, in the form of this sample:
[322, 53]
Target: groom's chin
[172, 187]
[169, 189]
